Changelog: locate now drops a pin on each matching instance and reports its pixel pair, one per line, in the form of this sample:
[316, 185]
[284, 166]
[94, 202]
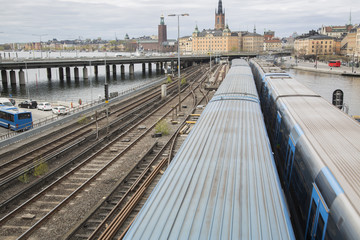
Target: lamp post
[178, 17]
[40, 35]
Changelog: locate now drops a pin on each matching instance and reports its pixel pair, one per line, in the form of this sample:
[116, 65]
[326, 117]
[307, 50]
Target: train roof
[240, 82]
[335, 138]
[222, 183]
[333, 135]
[239, 62]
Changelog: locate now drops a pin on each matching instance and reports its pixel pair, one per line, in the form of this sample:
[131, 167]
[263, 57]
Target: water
[325, 84]
[38, 87]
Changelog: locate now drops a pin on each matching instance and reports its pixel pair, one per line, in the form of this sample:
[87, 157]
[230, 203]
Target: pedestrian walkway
[321, 67]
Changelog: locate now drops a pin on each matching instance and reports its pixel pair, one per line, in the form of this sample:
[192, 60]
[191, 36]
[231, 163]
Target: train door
[317, 217]
[289, 161]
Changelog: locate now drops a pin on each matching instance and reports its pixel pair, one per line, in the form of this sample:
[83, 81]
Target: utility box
[163, 91]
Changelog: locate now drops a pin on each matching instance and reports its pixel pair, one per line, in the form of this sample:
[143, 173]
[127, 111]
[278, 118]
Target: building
[335, 31]
[217, 40]
[348, 43]
[162, 31]
[268, 35]
[185, 45]
[214, 41]
[158, 43]
[316, 44]
[357, 53]
[220, 17]
[252, 42]
[273, 44]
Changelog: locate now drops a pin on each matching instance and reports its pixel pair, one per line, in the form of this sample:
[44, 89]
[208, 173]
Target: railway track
[16, 166]
[35, 212]
[114, 215]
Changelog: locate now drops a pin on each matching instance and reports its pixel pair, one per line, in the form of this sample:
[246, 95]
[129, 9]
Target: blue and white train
[317, 153]
[223, 182]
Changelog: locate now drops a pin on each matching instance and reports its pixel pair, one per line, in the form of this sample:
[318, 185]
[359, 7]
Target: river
[39, 88]
[325, 84]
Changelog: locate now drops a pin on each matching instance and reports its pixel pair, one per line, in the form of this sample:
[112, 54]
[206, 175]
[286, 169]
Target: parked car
[60, 110]
[5, 102]
[13, 102]
[44, 106]
[28, 104]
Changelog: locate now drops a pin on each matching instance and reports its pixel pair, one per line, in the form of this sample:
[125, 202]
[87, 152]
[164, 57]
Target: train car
[15, 119]
[223, 182]
[317, 153]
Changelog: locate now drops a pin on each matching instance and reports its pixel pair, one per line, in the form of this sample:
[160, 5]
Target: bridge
[161, 62]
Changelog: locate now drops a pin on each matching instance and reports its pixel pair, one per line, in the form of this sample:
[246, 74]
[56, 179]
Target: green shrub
[41, 168]
[83, 120]
[183, 81]
[162, 127]
[169, 79]
[24, 178]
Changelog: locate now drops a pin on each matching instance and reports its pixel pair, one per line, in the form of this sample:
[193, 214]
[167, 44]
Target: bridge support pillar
[49, 73]
[114, 71]
[172, 65]
[131, 69]
[157, 67]
[61, 73]
[122, 69]
[161, 66]
[107, 67]
[143, 68]
[76, 73]
[4, 77]
[68, 74]
[85, 73]
[96, 71]
[22, 77]
[150, 68]
[12, 77]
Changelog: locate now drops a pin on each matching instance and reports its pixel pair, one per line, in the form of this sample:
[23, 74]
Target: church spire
[220, 10]
[219, 17]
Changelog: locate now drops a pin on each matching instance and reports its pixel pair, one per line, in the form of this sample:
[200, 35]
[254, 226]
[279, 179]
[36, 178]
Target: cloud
[23, 21]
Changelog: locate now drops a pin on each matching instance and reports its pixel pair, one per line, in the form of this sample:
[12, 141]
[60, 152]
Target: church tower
[219, 17]
[162, 33]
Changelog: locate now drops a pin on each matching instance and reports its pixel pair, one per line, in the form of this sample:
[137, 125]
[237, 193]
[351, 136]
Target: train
[317, 153]
[15, 119]
[223, 182]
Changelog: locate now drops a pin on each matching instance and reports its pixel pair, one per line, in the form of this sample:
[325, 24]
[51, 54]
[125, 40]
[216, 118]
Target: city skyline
[23, 21]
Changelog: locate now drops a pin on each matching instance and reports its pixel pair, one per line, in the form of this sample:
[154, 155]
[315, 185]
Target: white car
[60, 110]
[45, 106]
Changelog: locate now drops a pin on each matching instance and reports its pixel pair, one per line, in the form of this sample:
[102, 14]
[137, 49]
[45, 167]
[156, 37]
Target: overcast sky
[25, 21]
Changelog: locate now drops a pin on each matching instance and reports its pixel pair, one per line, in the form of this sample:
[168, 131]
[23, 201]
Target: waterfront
[38, 87]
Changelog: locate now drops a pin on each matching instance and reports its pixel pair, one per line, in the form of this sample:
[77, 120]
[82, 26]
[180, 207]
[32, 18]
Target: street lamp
[40, 35]
[178, 17]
